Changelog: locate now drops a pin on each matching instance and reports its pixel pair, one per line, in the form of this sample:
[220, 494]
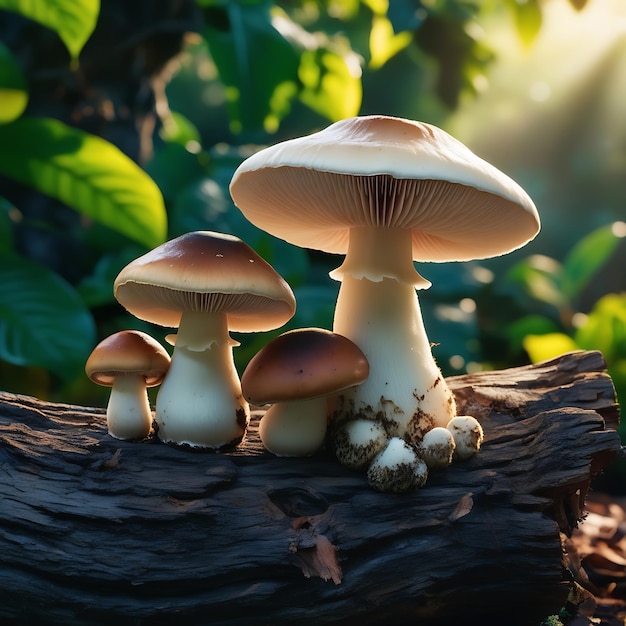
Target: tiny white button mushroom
[295, 372]
[356, 442]
[468, 436]
[397, 468]
[128, 362]
[437, 448]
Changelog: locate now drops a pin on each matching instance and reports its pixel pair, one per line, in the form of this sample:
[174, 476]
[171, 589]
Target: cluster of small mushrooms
[383, 191]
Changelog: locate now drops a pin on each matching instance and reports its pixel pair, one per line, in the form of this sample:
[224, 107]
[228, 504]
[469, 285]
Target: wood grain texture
[99, 531]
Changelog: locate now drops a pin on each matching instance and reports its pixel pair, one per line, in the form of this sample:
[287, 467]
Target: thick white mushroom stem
[295, 428]
[378, 309]
[128, 411]
[200, 402]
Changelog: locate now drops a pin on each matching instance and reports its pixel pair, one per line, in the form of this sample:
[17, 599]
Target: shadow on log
[99, 531]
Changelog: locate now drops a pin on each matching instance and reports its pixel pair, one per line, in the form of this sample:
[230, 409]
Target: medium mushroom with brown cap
[386, 192]
[206, 284]
[128, 362]
[295, 372]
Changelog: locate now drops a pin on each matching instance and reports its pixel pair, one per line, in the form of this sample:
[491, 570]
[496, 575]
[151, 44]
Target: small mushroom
[437, 448]
[356, 442]
[295, 372]
[397, 468]
[128, 362]
[206, 284]
[468, 436]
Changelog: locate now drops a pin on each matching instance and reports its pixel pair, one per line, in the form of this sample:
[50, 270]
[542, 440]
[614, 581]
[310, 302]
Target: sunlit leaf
[518, 330]
[43, 321]
[85, 172]
[13, 89]
[73, 21]
[528, 19]
[586, 258]
[331, 84]
[542, 347]
[540, 276]
[384, 42]
[605, 328]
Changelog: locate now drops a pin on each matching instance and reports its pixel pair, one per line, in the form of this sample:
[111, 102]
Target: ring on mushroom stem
[295, 372]
[206, 284]
[128, 362]
[386, 192]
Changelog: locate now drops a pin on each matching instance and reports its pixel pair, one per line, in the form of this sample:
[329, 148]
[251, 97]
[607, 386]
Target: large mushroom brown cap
[388, 172]
[204, 271]
[303, 364]
[128, 352]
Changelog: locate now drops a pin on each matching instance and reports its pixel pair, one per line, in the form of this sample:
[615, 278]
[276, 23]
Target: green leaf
[256, 63]
[43, 321]
[543, 347]
[179, 129]
[13, 89]
[73, 21]
[518, 330]
[587, 257]
[384, 42]
[85, 172]
[6, 229]
[528, 19]
[540, 276]
[97, 288]
[605, 328]
[332, 83]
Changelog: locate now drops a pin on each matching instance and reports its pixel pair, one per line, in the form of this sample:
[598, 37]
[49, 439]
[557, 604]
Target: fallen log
[95, 530]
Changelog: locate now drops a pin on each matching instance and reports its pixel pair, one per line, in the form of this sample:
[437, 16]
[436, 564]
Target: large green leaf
[587, 257]
[43, 321]
[13, 89]
[72, 20]
[85, 172]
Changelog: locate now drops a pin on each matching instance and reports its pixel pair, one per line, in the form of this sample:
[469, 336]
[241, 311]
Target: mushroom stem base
[405, 389]
[200, 402]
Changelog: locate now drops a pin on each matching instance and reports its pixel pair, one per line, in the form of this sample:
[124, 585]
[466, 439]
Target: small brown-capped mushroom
[128, 362]
[295, 372]
[206, 284]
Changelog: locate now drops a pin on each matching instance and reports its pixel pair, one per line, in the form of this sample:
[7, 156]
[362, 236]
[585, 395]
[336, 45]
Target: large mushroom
[128, 361]
[206, 284]
[295, 372]
[386, 192]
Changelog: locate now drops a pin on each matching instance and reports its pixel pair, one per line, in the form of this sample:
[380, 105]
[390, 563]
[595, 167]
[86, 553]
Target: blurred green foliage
[258, 72]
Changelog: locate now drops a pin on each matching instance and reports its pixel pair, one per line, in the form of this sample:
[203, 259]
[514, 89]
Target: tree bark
[95, 530]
